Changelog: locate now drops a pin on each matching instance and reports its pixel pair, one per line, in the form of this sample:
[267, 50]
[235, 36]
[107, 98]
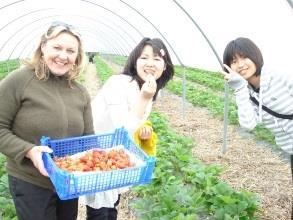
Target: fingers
[150, 77]
[145, 132]
[227, 75]
[35, 155]
[152, 84]
[228, 68]
[39, 164]
[149, 87]
[151, 81]
[45, 149]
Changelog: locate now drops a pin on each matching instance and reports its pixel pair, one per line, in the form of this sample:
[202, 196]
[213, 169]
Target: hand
[149, 87]
[35, 155]
[234, 79]
[145, 132]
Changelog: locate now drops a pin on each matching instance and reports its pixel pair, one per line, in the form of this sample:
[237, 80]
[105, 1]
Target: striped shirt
[276, 93]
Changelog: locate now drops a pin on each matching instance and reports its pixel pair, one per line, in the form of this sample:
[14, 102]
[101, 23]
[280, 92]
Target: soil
[249, 164]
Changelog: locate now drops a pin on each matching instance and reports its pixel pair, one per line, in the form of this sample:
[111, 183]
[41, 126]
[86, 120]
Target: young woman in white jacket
[126, 100]
[261, 97]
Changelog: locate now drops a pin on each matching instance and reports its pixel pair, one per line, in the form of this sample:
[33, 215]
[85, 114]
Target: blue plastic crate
[71, 185]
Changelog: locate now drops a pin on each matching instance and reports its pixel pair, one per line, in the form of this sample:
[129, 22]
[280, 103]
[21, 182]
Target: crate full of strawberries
[95, 163]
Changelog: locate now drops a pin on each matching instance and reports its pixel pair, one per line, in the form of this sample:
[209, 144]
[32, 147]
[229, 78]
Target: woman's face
[149, 63]
[244, 66]
[60, 53]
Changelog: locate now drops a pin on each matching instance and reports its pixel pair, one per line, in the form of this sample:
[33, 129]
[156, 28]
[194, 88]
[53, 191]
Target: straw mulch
[249, 165]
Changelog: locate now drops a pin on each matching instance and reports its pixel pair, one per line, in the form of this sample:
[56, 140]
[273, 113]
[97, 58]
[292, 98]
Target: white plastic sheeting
[113, 26]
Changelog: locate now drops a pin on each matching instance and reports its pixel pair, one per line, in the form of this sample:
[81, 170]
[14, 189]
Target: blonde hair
[37, 63]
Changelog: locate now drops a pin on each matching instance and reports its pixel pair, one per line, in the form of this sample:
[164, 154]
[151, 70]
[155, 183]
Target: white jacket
[276, 93]
[112, 109]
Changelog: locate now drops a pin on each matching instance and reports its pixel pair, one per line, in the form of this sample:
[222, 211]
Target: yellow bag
[150, 145]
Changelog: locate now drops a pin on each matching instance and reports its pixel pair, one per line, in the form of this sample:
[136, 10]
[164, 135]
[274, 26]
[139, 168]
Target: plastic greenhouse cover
[113, 26]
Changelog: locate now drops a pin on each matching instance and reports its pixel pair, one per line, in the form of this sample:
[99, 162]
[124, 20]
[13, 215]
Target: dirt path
[249, 166]
[92, 81]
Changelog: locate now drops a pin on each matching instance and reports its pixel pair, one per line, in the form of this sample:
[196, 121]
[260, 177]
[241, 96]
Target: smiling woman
[60, 52]
[126, 99]
[42, 98]
[261, 96]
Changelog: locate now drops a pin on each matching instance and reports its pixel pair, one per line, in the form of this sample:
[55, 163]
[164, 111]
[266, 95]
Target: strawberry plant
[209, 79]
[120, 60]
[7, 66]
[103, 70]
[184, 188]
[7, 210]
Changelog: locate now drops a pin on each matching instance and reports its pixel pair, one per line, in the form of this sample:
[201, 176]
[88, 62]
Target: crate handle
[45, 141]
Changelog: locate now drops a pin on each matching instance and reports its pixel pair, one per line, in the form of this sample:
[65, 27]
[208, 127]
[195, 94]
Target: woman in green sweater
[42, 98]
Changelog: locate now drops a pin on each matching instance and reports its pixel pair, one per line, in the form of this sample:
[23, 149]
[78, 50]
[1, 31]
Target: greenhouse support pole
[226, 107]
[184, 92]
[224, 147]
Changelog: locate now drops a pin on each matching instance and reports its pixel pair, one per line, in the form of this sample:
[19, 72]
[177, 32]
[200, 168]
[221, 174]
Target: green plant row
[103, 70]
[213, 80]
[183, 188]
[7, 210]
[117, 59]
[204, 98]
[7, 66]
[120, 60]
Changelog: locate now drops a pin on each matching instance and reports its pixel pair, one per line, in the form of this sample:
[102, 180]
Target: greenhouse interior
[206, 163]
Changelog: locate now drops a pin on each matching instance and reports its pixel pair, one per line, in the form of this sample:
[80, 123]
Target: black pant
[34, 202]
[102, 213]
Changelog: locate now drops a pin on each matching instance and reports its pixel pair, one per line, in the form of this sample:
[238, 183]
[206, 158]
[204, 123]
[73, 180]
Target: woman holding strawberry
[126, 100]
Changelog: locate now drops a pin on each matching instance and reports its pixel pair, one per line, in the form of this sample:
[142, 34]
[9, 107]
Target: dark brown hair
[160, 49]
[243, 47]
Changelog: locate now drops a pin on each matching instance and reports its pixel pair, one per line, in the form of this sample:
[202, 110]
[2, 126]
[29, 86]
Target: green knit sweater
[32, 108]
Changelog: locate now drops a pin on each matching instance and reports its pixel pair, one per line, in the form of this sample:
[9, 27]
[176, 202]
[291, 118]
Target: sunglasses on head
[68, 27]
